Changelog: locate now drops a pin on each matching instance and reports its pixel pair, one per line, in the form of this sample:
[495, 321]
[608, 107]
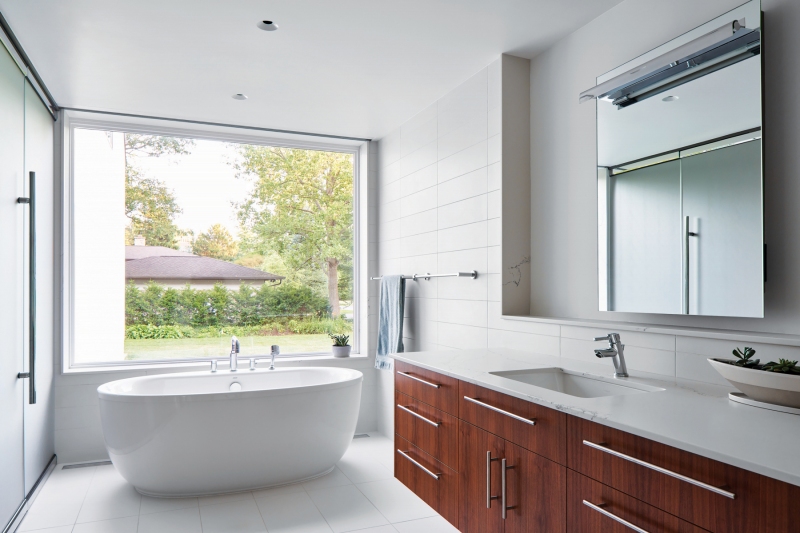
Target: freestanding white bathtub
[201, 433]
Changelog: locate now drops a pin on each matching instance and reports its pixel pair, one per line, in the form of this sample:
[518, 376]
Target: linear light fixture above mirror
[730, 43]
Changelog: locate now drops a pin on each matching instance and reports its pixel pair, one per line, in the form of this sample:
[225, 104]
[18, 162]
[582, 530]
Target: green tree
[301, 206]
[217, 242]
[149, 204]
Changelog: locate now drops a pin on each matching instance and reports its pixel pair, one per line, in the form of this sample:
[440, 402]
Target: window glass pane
[178, 244]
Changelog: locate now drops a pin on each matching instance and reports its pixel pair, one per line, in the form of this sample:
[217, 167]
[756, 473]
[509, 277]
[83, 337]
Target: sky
[204, 184]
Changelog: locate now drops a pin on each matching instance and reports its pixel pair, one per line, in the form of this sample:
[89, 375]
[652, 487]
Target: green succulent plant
[784, 366]
[339, 340]
[744, 357]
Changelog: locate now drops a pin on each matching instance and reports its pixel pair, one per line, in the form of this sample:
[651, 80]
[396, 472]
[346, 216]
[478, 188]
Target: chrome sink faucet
[234, 354]
[615, 352]
[275, 350]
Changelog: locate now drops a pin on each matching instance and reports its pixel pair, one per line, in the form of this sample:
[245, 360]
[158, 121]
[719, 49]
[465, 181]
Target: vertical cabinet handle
[489, 496]
[504, 507]
[31, 373]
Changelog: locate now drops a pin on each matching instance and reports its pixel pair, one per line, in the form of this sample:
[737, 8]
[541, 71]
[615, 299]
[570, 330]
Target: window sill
[188, 366]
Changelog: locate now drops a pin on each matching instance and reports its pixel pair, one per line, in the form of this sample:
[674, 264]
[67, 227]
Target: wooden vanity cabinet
[532, 490]
[461, 433]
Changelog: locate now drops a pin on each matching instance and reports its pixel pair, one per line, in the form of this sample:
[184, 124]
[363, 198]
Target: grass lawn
[220, 347]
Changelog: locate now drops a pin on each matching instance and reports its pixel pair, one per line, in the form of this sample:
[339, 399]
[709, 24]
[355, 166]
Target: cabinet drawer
[679, 482]
[432, 481]
[427, 386]
[429, 429]
[510, 418]
[592, 507]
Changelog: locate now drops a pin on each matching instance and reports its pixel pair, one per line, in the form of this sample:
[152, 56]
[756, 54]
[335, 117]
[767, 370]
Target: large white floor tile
[346, 508]
[59, 502]
[363, 469]
[225, 498]
[379, 529]
[292, 513]
[109, 496]
[277, 491]
[178, 521]
[435, 524]
[334, 479]
[159, 505]
[117, 525]
[395, 501]
[61, 529]
[232, 517]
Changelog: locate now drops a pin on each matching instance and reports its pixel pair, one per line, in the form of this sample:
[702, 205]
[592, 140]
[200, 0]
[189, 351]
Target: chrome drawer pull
[409, 411]
[404, 454]
[496, 410]
[613, 517]
[651, 466]
[428, 383]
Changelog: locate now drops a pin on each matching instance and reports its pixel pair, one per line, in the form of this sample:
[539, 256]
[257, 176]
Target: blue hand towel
[390, 320]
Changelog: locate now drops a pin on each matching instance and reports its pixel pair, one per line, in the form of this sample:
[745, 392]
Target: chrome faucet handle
[213, 365]
[252, 363]
[274, 350]
[612, 338]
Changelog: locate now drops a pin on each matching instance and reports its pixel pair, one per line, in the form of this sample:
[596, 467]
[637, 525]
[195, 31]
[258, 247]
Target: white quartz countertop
[693, 416]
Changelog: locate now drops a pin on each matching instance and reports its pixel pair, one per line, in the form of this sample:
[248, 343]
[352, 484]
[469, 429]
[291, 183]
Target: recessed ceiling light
[267, 25]
[669, 98]
[239, 96]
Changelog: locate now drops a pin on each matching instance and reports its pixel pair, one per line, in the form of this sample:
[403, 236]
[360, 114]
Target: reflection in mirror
[680, 187]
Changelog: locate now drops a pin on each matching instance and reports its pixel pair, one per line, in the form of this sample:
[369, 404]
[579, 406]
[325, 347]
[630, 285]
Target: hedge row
[156, 305]
[279, 327]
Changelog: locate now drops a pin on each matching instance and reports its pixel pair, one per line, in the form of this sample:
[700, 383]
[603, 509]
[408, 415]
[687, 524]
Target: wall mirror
[680, 181]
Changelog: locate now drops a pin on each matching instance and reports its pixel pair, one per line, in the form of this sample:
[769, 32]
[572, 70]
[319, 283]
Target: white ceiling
[345, 67]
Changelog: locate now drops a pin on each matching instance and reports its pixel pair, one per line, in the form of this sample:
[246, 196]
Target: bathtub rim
[106, 395]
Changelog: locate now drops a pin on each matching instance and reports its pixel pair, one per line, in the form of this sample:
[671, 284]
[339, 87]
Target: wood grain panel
[695, 504]
[537, 493]
[547, 437]
[474, 516]
[441, 442]
[583, 519]
[445, 397]
[442, 493]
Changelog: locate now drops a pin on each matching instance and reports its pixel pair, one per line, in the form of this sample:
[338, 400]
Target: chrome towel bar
[472, 274]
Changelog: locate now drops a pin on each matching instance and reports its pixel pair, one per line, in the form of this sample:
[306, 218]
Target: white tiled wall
[439, 211]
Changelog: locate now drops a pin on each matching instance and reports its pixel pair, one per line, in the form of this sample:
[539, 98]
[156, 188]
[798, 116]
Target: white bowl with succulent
[341, 348]
[774, 382]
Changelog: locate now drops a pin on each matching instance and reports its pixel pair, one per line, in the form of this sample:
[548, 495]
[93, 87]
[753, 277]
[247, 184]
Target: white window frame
[70, 122]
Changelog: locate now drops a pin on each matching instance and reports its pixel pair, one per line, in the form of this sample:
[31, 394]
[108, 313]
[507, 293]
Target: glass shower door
[12, 390]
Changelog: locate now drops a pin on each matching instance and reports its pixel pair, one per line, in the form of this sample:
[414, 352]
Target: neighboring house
[173, 268]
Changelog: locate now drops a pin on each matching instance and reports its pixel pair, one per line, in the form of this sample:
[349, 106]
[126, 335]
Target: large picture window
[179, 243]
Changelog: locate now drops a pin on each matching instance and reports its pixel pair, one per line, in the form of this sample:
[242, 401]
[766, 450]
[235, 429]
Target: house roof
[193, 267]
[140, 252]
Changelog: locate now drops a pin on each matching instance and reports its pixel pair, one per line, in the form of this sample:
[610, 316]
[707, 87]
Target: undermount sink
[576, 383]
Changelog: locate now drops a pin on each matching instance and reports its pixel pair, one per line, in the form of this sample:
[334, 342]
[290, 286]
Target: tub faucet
[234, 354]
[615, 352]
[273, 352]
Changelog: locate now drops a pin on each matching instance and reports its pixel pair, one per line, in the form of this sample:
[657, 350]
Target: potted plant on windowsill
[341, 348]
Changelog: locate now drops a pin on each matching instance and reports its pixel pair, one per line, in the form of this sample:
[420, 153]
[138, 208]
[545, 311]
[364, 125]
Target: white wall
[432, 219]
[99, 247]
